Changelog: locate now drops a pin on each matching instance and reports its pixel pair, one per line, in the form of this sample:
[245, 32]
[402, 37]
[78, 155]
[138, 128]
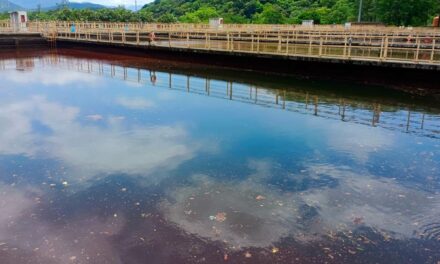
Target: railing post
[232, 42]
[418, 49]
[385, 51]
[187, 40]
[320, 47]
[345, 46]
[287, 45]
[381, 52]
[350, 41]
[258, 43]
[279, 43]
[137, 37]
[433, 49]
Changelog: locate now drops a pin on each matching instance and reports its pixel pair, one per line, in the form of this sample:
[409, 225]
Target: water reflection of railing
[392, 117]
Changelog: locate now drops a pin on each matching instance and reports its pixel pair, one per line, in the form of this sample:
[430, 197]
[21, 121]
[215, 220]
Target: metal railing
[358, 43]
[355, 46]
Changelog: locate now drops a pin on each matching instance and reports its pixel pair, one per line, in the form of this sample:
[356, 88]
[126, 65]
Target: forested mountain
[397, 12]
[44, 5]
[6, 6]
[73, 5]
[33, 4]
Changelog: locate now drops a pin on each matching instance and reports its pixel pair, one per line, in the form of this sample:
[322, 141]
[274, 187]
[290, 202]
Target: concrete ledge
[336, 60]
[15, 40]
[412, 78]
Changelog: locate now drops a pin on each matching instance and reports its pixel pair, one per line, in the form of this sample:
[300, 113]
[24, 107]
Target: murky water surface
[117, 159]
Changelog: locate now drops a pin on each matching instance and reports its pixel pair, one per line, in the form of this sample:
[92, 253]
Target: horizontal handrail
[357, 43]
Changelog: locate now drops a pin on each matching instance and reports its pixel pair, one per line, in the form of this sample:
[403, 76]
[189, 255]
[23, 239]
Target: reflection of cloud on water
[112, 151]
[107, 147]
[254, 215]
[12, 205]
[382, 204]
[135, 103]
[49, 78]
[358, 140]
[357, 200]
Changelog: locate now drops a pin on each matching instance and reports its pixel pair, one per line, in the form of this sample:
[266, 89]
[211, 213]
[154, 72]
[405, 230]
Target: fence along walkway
[417, 46]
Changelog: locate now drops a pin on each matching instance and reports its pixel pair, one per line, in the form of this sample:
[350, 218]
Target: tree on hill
[271, 14]
[203, 14]
[406, 12]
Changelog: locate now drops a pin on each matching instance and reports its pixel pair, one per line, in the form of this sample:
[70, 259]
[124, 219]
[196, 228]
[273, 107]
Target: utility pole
[360, 11]
[135, 5]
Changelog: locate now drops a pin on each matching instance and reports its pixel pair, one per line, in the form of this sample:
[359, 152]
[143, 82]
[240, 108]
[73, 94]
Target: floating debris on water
[220, 217]
[260, 197]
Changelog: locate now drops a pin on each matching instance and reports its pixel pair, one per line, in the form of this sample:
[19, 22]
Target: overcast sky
[115, 2]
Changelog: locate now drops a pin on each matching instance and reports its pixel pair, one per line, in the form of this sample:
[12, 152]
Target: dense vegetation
[393, 12]
[106, 14]
[396, 12]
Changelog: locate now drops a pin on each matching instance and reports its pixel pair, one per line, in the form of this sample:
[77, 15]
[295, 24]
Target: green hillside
[396, 12]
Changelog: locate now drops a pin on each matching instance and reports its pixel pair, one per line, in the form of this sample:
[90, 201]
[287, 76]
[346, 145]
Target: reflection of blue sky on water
[84, 158]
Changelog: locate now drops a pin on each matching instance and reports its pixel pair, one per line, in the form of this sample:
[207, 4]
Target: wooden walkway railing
[359, 43]
[61, 25]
